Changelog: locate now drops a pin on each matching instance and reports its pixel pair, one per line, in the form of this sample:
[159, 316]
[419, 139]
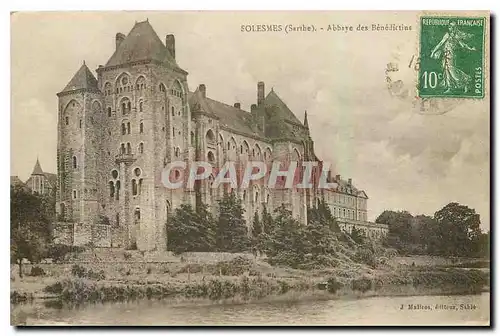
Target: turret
[80, 110]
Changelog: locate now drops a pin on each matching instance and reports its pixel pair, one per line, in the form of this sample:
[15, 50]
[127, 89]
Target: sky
[403, 158]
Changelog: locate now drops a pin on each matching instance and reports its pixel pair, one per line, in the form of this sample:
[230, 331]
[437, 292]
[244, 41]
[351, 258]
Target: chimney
[349, 181]
[253, 107]
[237, 105]
[119, 39]
[203, 90]
[170, 44]
[329, 177]
[337, 177]
[260, 92]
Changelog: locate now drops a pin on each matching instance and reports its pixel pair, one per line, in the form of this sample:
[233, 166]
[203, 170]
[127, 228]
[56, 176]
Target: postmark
[401, 79]
[451, 58]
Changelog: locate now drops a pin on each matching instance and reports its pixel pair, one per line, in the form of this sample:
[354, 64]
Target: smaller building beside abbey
[118, 130]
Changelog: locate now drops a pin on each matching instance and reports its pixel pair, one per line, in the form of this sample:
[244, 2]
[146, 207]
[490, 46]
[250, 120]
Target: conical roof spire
[306, 123]
[83, 79]
[37, 170]
[141, 44]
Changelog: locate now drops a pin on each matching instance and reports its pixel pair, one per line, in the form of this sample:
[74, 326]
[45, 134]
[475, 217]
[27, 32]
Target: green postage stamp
[451, 57]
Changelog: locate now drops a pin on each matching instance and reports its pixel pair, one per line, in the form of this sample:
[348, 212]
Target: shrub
[191, 268]
[127, 255]
[333, 285]
[233, 267]
[362, 284]
[365, 256]
[37, 271]
[82, 272]
[58, 252]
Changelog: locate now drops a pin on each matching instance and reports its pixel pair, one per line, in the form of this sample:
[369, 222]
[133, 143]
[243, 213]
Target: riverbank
[238, 280]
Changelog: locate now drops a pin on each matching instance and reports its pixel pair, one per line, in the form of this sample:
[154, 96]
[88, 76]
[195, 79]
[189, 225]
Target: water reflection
[371, 311]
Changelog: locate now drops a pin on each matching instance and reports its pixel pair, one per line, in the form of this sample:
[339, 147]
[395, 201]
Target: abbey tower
[117, 132]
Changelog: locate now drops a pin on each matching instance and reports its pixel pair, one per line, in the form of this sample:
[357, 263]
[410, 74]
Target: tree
[481, 246]
[425, 234]
[191, 230]
[257, 234]
[321, 230]
[232, 232]
[458, 229]
[286, 241]
[400, 228]
[267, 220]
[357, 235]
[30, 225]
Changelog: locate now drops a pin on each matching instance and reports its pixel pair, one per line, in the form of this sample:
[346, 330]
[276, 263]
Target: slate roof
[272, 99]
[37, 170]
[229, 116]
[83, 79]
[242, 121]
[142, 43]
[15, 180]
[52, 178]
[343, 186]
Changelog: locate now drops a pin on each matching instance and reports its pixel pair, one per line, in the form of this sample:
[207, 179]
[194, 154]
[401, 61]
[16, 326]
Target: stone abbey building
[117, 132]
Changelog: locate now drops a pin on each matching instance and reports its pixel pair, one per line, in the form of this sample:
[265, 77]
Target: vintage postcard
[250, 168]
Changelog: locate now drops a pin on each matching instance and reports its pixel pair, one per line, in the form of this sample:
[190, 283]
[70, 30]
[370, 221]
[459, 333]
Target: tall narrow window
[117, 190]
[128, 128]
[117, 219]
[80, 123]
[141, 127]
[109, 111]
[140, 186]
[111, 189]
[75, 163]
[129, 148]
[122, 149]
[67, 120]
[173, 111]
[74, 194]
[134, 187]
[141, 148]
[140, 106]
[124, 129]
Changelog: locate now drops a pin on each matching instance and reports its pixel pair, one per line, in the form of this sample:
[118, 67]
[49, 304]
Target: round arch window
[114, 173]
[137, 171]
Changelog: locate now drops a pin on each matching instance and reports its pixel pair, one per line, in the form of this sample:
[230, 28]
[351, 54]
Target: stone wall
[101, 235]
[63, 233]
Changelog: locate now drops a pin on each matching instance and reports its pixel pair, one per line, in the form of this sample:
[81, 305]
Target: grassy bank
[240, 279]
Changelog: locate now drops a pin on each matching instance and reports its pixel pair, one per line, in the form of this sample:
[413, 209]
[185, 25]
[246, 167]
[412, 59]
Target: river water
[428, 310]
